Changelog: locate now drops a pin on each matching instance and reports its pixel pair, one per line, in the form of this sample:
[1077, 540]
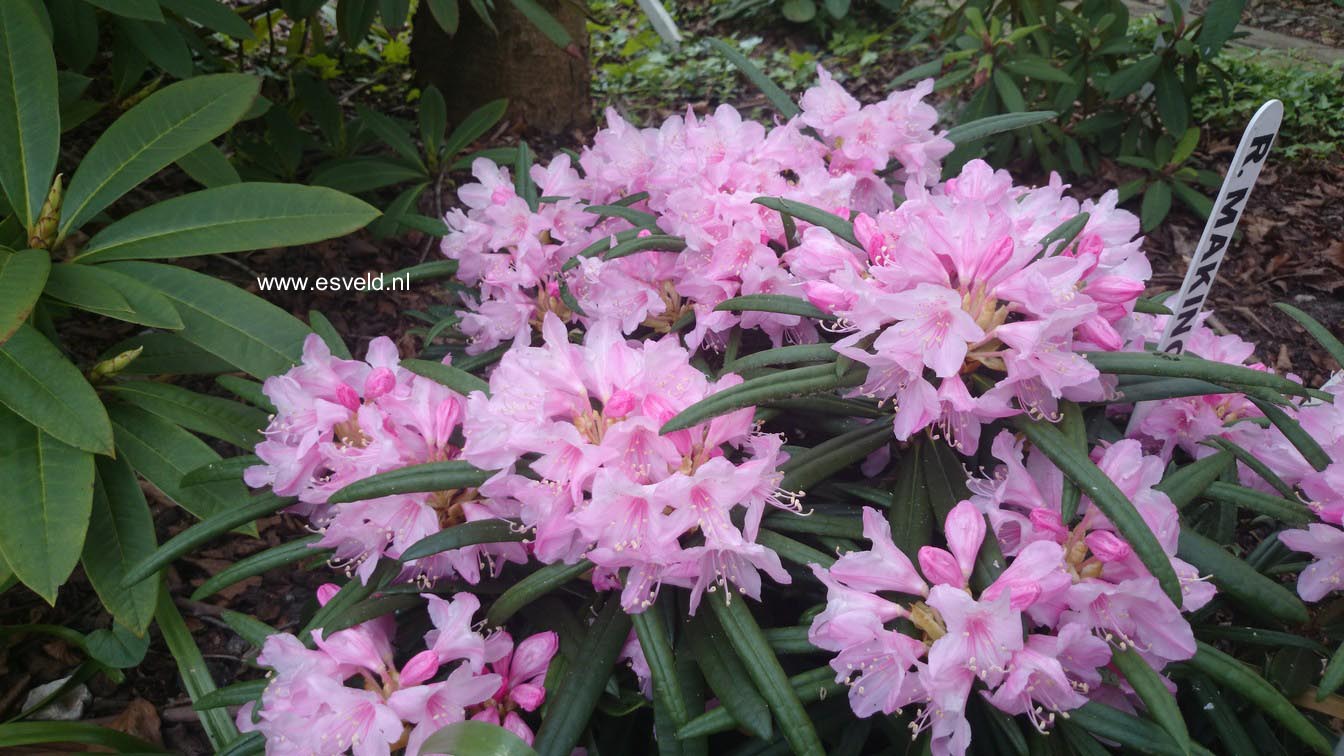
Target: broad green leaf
[22, 276]
[209, 167]
[161, 43]
[167, 353]
[48, 492]
[777, 97]
[364, 174]
[163, 453]
[781, 303]
[745, 637]
[466, 534]
[1238, 581]
[248, 332]
[259, 563]
[1156, 205]
[205, 531]
[147, 10]
[428, 476]
[226, 420]
[1108, 498]
[14, 734]
[119, 647]
[160, 130]
[39, 384]
[433, 117]
[445, 14]
[249, 391]
[785, 355]
[1137, 735]
[121, 533]
[231, 218]
[1037, 68]
[574, 701]
[727, 677]
[473, 127]
[533, 587]
[1220, 23]
[472, 738]
[353, 19]
[81, 287]
[219, 727]
[798, 11]
[30, 125]
[997, 124]
[1152, 690]
[1172, 104]
[213, 15]
[330, 336]
[1129, 79]
[456, 379]
[544, 21]
[1232, 675]
[231, 468]
[781, 385]
[148, 307]
[393, 135]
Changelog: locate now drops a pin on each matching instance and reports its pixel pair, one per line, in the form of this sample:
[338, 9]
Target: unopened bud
[43, 233]
[110, 367]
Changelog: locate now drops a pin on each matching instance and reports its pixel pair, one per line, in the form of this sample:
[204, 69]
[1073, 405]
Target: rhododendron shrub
[775, 436]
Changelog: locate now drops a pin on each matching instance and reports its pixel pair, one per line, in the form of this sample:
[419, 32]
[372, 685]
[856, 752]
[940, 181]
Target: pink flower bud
[995, 258]
[827, 296]
[1048, 521]
[644, 233]
[379, 382]
[347, 397]
[1096, 330]
[939, 566]
[620, 404]
[421, 667]
[325, 592]
[1107, 546]
[1114, 289]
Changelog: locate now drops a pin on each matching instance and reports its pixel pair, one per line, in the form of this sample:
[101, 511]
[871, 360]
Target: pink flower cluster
[693, 178]
[602, 483]
[310, 706]
[1186, 422]
[1037, 637]
[956, 280]
[339, 421]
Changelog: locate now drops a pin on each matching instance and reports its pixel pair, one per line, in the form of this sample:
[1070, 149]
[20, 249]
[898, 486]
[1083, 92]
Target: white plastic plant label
[1232, 197]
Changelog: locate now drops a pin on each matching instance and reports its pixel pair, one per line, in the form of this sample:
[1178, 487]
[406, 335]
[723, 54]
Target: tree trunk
[546, 86]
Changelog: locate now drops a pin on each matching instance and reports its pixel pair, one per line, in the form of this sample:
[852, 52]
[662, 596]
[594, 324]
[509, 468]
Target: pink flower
[521, 673]
[1325, 543]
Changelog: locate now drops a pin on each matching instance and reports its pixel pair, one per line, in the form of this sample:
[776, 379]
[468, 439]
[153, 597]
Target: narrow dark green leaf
[323, 327]
[531, 588]
[236, 694]
[203, 532]
[777, 97]
[1233, 675]
[745, 637]
[1189, 366]
[1108, 498]
[1138, 735]
[1239, 581]
[429, 476]
[910, 515]
[259, 563]
[1334, 675]
[1323, 336]
[473, 127]
[1296, 435]
[806, 469]
[454, 378]
[1223, 716]
[781, 303]
[1288, 511]
[810, 687]
[15, 734]
[1151, 689]
[213, 15]
[841, 227]
[655, 641]
[219, 727]
[224, 469]
[782, 385]
[728, 678]
[1186, 483]
[573, 704]
[466, 534]
[966, 133]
